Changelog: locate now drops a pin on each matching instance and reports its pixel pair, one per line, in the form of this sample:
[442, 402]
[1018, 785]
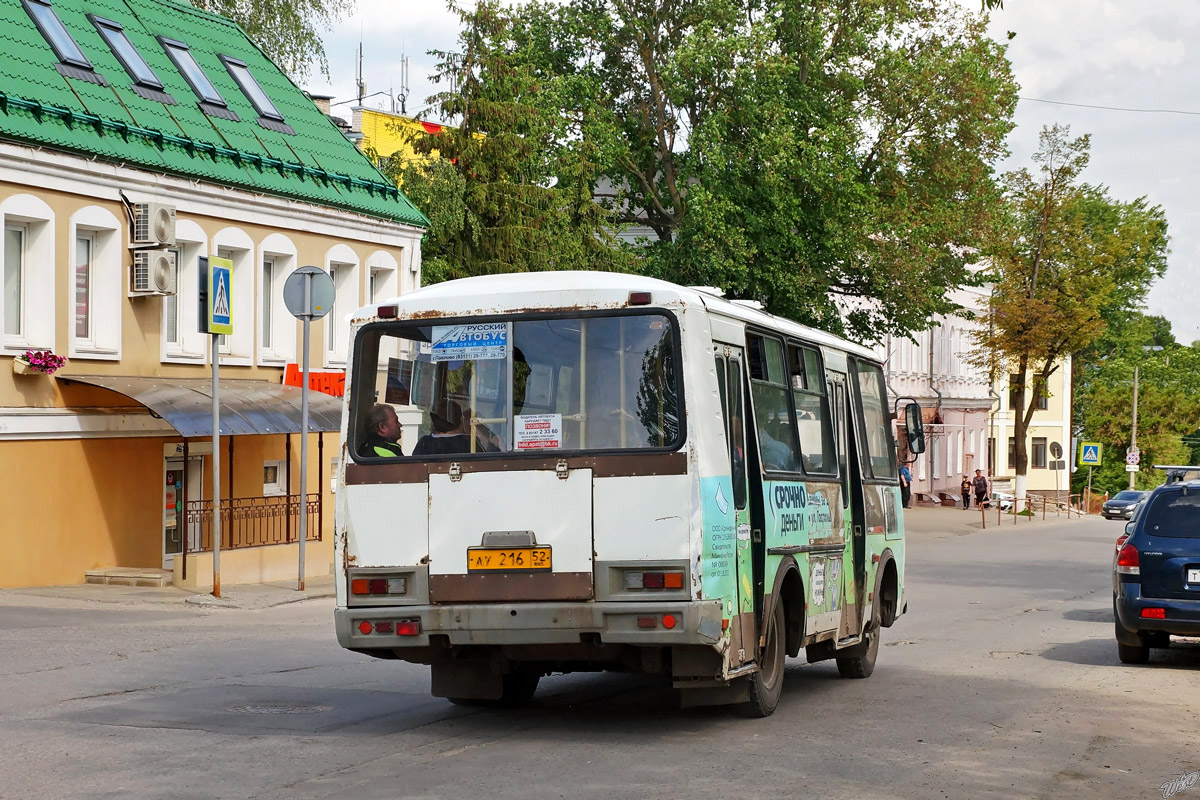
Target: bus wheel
[519, 686]
[767, 684]
[862, 661]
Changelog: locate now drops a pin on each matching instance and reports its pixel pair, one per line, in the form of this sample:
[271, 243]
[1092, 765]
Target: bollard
[983, 515]
[1043, 509]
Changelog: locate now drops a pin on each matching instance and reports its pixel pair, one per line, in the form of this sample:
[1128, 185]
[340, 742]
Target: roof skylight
[126, 53]
[254, 93]
[55, 34]
[181, 54]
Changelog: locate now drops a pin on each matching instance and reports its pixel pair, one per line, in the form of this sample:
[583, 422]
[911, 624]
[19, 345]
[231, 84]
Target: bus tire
[519, 687]
[860, 663]
[766, 685]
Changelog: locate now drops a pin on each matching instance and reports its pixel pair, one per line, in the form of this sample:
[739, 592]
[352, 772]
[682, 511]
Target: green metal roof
[38, 105]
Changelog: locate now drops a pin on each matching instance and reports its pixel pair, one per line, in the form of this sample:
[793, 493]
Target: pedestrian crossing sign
[1089, 454]
[216, 298]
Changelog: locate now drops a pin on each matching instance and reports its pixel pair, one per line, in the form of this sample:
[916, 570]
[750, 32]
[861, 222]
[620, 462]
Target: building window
[1014, 382]
[1012, 453]
[274, 478]
[98, 283]
[55, 34]
[1043, 400]
[171, 306]
[211, 101]
[268, 290]
[254, 93]
[125, 52]
[14, 279]
[182, 342]
[1038, 456]
[27, 310]
[342, 263]
[991, 455]
[83, 287]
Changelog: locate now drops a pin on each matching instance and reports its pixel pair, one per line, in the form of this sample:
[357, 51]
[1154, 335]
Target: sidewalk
[237, 596]
[956, 522]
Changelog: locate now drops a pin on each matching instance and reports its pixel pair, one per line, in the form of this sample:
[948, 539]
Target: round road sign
[320, 296]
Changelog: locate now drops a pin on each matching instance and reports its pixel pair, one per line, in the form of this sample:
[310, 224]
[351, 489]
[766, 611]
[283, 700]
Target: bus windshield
[522, 385]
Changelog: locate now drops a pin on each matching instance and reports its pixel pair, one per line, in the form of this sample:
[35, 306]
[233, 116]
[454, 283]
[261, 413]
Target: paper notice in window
[538, 431]
[469, 342]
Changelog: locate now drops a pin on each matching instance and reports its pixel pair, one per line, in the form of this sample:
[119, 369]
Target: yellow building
[1049, 432]
[387, 135]
[119, 176]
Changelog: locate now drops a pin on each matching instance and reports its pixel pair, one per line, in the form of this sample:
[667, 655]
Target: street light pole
[1133, 434]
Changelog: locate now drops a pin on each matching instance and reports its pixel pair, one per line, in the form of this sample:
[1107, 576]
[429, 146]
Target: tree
[519, 197]
[832, 160]
[285, 29]
[1067, 256]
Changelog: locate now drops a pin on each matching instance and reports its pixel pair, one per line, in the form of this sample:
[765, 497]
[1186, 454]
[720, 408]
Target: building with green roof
[138, 139]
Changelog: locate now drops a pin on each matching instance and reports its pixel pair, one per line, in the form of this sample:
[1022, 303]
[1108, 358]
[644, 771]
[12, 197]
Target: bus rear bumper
[696, 623]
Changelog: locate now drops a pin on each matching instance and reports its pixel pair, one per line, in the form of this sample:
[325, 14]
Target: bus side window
[777, 442]
[737, 439]
[878, 460]
[812, 410]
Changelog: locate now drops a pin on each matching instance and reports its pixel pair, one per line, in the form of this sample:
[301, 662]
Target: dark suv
[1121, 504]
[1156, 572]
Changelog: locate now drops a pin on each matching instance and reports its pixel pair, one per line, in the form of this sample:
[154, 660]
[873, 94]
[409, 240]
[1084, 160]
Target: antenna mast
[358, 76]
[403, 96]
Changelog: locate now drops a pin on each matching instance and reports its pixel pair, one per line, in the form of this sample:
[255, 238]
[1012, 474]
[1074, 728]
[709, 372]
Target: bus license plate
[1193, 576]
[508, 559]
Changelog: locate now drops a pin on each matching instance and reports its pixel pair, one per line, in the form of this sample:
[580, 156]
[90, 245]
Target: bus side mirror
[914, 426]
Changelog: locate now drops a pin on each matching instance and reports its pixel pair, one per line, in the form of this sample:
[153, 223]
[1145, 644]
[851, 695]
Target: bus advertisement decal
[486, 340]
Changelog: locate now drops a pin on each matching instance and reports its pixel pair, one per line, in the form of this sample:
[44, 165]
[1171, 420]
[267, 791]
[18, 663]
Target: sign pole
[1089, 494]
[304, 434]
[308, 293]
[1133, 448]
[216, 463]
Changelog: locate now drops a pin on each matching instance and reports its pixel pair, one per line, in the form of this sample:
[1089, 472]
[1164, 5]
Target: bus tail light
[408, 627]
[381, 586]
[653, 580]
[387, 312]
[1127, 560]
[639, 298]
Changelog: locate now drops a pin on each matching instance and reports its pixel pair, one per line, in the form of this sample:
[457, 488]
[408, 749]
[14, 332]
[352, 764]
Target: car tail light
[1121, 540]
[1154, 613]
[1127, 560]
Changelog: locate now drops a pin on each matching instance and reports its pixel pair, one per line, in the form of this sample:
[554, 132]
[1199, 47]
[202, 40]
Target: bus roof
[520, 292]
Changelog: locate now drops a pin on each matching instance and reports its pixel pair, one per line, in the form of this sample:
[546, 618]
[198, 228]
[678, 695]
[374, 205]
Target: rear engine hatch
[510, 536]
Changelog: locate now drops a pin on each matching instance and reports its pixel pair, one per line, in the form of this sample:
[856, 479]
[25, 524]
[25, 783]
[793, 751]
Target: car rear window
[1174, 514]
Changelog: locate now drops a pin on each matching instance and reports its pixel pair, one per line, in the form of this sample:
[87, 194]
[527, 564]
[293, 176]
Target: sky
[1121, 55]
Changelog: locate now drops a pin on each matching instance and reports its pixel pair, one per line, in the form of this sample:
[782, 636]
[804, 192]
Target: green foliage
[1069, 260]
[287, 30]
[509, 188]
[794, 153]
[1168, 404]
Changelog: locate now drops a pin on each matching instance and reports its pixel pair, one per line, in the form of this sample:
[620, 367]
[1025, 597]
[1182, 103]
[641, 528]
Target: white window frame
[193, 347]
[282, 325]
[279, 487]
[36, 218]
[342, 263]
[106, 284]
[238, 348]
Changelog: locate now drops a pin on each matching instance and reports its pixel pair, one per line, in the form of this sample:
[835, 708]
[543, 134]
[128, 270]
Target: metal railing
[252, 521]
[1030, 507]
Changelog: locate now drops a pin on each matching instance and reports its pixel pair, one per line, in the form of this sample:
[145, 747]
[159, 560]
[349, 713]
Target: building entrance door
[174, 515]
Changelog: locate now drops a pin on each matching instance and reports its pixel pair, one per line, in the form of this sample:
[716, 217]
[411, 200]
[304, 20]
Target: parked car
[1004, 499]
[1122, 504]
[1156, 572]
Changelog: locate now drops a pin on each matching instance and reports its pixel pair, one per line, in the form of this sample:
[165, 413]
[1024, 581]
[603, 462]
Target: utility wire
[1113, 108]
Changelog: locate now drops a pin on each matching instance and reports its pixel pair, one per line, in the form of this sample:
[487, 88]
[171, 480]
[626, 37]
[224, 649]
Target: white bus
[609, 472]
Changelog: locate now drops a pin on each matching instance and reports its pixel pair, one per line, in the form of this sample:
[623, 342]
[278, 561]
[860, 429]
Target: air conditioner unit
[153, 273]
[153, 224]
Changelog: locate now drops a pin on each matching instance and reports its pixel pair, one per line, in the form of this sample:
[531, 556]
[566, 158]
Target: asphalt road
[1002, 681]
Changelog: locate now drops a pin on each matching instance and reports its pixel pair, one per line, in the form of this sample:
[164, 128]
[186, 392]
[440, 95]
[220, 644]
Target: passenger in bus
[383, 433]
[775, 454]
[449, 432]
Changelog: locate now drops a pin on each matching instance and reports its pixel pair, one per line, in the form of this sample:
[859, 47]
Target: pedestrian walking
[981, 489]
[905, 486]
[965, 488]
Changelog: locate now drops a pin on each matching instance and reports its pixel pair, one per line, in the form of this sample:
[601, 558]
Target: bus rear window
[525, 385]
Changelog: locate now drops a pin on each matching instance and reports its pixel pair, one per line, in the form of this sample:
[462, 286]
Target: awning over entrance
[247, 407]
